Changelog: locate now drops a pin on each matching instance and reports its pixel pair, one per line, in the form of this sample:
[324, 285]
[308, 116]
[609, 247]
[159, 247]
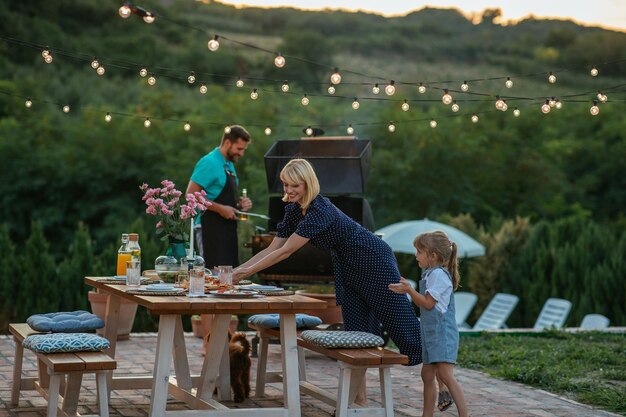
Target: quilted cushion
[269, 321]
[65, 342]
[65, 322]
[342, 339]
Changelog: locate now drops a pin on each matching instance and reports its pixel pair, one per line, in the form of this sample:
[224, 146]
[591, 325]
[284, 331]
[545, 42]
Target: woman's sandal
[444, 400]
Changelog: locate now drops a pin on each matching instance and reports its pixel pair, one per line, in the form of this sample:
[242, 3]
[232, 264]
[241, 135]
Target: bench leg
[53, 395]
[103, 393]
[16, 387]
[302, 363]
[358, 390]
[71, 393]
[385, 390]
[343, 393]
[261, 367]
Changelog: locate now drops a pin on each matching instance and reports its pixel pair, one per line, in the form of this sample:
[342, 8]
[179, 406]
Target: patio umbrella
[400, 237]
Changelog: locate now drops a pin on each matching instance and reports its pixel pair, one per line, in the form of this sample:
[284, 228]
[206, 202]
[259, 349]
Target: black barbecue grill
[342, 166]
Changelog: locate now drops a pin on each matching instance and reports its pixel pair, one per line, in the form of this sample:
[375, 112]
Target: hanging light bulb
[421, 88]
[499, 103]
[558, 104]
[455, 107]
[192, 78]
[433, 123]
[405, 106]
[187, 127]
[44, 53]
[227, 129]
[545, 108]
[594, 72]
[152, 79]
[279, 61]
[66, 109]
[350, 130]
[446, 98]
[309, 131]
[125, 11]
[214, 44]
[356, 104]
[552, 102]
[48, 58]
[474, 118]
[147, 122]
[331, 89]
[335, 78]
[203, 89]
[268, 131]
[100, 70]
[149, 17]
[305, 100]
[391, 127]
[508, 83]
[390, 89]
[285, 87]
[464, 86]
[143, 72]
[551, 78]
[108, 117]
[239, 82]
[376, 89]
[505, 106]
[602, 97]
[516, 112]
[594, 110]
[95, 64]
[28, 103]
[254, 95]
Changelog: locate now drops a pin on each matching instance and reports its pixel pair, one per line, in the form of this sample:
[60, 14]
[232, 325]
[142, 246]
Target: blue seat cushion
[335, 339]
[269, 321]
[65, 342]
[65, 322]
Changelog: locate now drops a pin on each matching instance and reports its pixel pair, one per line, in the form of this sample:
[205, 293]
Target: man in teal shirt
[215, 174]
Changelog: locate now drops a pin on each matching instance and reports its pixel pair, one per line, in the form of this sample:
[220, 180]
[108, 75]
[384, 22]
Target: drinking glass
[226, 274]
[196, 282]
[133, 273]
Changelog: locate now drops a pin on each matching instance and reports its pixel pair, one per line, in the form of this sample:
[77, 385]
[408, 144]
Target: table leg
[289, 348]
[162, 362]
[181, 362]
[214, 356]
[111, 319]
[223, 381]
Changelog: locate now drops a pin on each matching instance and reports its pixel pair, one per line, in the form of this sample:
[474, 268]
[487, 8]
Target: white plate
[234, 293]
[119, 278]
[261, 287]
[159, 287]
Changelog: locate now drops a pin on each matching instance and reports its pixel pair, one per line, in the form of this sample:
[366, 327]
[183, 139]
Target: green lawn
[586, 367]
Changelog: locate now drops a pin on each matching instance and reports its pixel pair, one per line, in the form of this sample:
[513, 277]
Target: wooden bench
[353, 365]
[52, 368]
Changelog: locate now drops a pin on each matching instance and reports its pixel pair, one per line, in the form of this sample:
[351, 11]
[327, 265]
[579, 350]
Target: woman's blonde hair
[300, 171]
[437, 242]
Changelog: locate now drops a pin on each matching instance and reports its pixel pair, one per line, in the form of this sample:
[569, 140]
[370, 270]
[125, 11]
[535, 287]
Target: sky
[606, 13]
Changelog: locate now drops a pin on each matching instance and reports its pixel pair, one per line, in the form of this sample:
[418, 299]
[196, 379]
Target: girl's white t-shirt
[439, 286]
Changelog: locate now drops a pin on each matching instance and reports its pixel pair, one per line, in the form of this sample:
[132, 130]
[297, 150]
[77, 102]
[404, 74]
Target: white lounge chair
[595, 321]
[553, 314]
[464, 302]
[497, 312]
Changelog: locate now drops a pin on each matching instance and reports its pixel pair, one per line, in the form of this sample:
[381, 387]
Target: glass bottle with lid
[242, 215]
[134, 248]
[123, 255]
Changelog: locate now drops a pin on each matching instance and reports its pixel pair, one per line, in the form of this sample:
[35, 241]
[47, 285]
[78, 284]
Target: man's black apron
[219, 235]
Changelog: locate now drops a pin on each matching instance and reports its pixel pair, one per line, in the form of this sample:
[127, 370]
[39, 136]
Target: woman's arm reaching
[280, 249]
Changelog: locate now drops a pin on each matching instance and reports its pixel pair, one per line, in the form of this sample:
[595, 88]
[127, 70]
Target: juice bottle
[133, 247]
[123, 255]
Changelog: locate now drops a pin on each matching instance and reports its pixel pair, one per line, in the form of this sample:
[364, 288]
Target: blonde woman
[363, 265]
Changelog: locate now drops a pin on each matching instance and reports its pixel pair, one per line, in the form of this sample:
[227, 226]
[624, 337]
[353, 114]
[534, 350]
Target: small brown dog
[240, 363]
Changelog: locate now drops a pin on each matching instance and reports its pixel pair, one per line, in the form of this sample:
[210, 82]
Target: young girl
[436, 255]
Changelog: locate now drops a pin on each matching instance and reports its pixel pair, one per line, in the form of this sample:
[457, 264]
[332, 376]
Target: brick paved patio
[486, 396]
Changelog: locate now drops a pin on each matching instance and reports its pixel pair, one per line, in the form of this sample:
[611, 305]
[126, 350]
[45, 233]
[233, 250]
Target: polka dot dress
[363, 267]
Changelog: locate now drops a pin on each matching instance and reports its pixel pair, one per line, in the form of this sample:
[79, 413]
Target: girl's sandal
[444, 400]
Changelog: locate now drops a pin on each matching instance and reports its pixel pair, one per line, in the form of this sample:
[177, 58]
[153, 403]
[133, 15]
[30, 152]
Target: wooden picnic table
[215, 369]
